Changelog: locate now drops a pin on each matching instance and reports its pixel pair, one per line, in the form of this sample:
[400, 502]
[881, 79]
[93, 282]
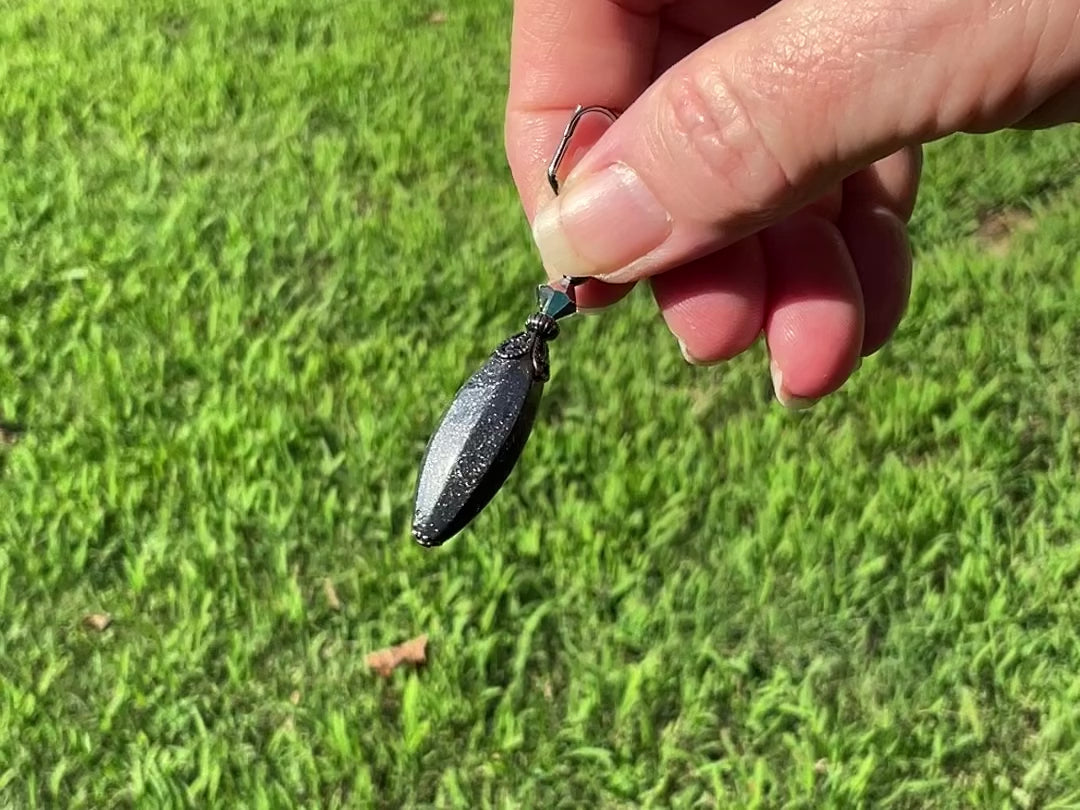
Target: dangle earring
[483, 432]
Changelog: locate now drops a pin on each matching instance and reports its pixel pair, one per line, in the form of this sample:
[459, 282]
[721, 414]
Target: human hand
[767, 158]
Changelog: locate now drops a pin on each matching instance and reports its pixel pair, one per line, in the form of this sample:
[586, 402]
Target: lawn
[249, 250]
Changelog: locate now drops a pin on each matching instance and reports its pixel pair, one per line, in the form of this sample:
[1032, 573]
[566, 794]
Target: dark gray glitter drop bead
[479, 439]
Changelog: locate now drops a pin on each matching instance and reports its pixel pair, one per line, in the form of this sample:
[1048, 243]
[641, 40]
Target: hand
[766, 161]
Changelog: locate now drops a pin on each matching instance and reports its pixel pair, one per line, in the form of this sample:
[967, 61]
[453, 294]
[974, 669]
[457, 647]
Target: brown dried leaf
[97, 621]
[386, 661]
[437, 17]
[331, 594]
[294, 698]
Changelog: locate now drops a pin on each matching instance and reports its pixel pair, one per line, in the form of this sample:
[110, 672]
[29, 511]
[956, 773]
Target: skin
[777, 149]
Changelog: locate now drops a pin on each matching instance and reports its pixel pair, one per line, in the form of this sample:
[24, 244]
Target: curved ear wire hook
[579, 113]
[564, 143]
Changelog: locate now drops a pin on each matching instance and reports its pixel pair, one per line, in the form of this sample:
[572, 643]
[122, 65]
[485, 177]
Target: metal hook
[553, 168]
[579, 113]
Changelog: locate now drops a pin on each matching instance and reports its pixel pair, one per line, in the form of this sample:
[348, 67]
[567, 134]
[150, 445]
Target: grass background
[249, 249]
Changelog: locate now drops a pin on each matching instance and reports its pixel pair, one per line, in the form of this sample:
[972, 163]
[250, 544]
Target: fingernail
[689, 358]
[600, 224]
[783, 396]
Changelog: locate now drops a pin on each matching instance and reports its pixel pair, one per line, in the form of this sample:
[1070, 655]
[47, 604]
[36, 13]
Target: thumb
[768, 116]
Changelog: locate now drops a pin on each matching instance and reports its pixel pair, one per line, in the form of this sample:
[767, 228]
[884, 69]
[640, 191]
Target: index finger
[564, 53]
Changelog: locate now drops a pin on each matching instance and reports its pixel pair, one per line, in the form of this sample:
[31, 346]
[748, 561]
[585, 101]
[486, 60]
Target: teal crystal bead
[555, 303]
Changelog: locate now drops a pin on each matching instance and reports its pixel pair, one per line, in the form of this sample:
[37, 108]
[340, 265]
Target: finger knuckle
[715, 132]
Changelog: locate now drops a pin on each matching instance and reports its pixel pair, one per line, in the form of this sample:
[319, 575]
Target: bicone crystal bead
[555, 303]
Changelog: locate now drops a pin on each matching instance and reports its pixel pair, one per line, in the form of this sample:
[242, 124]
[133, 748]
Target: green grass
[248, 252]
